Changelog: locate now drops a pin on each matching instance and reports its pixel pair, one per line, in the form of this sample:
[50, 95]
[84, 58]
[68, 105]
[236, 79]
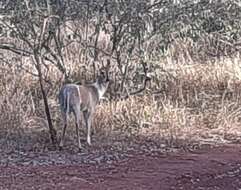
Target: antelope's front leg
[78, 115]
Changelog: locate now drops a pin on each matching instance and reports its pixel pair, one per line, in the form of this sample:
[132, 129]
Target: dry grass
[200, 103]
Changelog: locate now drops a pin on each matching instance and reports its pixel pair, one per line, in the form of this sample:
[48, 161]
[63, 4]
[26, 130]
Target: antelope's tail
[64, 98]
[66, 102]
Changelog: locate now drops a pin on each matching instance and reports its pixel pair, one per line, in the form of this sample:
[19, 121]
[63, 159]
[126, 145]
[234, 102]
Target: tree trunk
[52, 131]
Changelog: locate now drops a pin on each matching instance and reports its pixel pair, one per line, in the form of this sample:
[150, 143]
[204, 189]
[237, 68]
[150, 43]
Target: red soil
[213, 169]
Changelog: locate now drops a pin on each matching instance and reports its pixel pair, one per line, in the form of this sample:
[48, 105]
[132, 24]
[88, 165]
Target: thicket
[174, 64]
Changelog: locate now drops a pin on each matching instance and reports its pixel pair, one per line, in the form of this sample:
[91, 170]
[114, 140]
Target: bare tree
[36, 26]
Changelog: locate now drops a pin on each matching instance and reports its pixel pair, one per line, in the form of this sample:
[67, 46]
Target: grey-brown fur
[81, 100]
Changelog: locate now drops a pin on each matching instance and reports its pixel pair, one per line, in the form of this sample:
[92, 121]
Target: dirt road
[218, 168]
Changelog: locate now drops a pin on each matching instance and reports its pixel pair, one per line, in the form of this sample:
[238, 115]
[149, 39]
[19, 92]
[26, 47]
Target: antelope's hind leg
[78, 115]
[61, 144]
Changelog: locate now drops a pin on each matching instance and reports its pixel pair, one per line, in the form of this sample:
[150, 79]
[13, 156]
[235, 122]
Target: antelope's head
[103, 79]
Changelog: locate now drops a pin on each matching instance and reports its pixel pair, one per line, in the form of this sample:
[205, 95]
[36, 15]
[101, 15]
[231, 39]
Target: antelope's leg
[77, 133]
[64, 116]
[88, 119]
[78, 115]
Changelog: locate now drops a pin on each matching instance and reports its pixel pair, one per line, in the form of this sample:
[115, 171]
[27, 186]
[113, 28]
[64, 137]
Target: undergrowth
[195, 103]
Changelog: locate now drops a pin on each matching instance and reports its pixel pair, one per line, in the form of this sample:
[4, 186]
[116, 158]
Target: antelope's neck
[100, 90]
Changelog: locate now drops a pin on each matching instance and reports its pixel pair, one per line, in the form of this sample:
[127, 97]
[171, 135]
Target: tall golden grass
[196, 103]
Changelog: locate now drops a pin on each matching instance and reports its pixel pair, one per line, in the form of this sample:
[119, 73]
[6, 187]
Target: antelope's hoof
[60, 148]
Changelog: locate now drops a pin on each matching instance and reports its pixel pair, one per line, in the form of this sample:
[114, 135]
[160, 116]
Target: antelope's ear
[107, 69]
[108, 65]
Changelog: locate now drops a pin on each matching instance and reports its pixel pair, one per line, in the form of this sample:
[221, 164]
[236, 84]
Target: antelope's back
[72, 96]
[88, 97]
